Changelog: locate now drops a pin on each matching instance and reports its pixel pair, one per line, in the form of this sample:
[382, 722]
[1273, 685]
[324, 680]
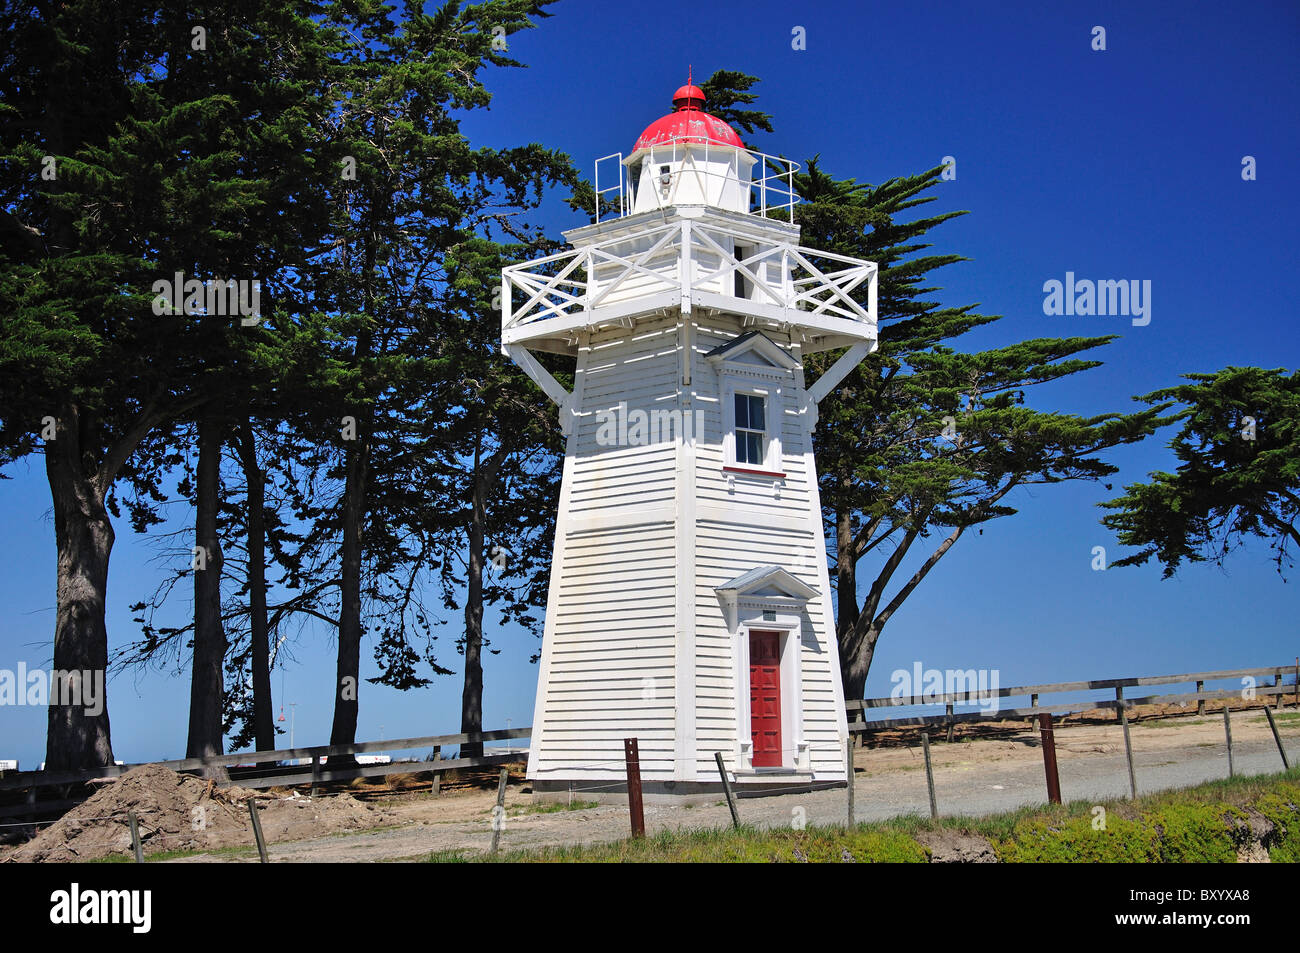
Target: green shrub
[1194, 833]
[858, 846]
[1283, 809]
[1075, 841]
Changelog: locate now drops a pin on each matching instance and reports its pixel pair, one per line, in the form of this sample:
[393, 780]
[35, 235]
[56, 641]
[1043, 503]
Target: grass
[161, 855]
[552, 808]
[1201, 824]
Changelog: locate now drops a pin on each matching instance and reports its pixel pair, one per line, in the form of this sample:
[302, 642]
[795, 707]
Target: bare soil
[180, 813]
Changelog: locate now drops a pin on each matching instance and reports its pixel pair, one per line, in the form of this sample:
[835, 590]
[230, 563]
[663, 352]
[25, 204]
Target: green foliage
[1282, 807]
[1238, 474]
[1074, 840]
[921, 439]
[1194, 833]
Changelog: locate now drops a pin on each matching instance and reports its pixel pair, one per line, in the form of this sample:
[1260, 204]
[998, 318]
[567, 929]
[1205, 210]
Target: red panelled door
[765, 698]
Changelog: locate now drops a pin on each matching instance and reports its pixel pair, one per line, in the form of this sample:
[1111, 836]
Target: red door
[765, 698]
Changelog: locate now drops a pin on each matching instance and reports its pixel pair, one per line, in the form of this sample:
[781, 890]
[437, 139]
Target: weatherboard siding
[610, 659]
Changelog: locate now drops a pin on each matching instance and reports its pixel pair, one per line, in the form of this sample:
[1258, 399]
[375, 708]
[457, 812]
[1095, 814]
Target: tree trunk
[78, 734]
[206, 682]
[855, 663]
[348, 668]
[471, 699]
[255, 481]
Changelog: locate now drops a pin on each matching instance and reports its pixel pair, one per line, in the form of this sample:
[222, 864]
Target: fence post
[1227, 730]
[1128, 742]
[1049, 758]
[1200, 702]
[1277, 683]
[1286, 765]
[437, 775]
[949, 711]
[135, 837]
[632, 756]
[499, 812]
[929, 774]
[257, 829]
[726, 788]
[849, 777]
[315, 773]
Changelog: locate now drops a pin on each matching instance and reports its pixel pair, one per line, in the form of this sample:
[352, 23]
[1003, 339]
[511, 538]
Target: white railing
[771, 186]
[690, 259]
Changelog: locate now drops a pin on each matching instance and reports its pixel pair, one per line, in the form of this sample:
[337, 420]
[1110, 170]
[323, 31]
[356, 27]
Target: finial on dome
[689, 96]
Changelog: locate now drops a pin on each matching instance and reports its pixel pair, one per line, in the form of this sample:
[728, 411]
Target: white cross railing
[690, 258]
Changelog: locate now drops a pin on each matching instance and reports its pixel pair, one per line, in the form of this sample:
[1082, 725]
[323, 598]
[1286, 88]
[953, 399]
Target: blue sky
[1122, 164]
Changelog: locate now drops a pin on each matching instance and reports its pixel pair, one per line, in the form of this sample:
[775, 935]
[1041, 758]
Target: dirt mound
[178, 812]
[956, 847]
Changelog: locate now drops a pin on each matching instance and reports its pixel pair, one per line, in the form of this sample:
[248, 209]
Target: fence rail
[317, 771]
[859, 723]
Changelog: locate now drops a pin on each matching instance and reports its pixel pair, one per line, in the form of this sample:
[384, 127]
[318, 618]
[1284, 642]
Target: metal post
[929, 774]
[848, 777]
[1128, 742]
[1049, 758]
[135, 837]
[726, 788]
[257, 829]
[499, 812]
[632, 756]
[1286, 765]
[1227, 730]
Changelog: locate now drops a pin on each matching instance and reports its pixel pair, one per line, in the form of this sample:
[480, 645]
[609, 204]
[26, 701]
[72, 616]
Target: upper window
[751, 429]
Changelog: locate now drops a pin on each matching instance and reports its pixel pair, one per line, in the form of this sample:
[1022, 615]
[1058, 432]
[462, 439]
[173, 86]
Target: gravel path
[971, 778]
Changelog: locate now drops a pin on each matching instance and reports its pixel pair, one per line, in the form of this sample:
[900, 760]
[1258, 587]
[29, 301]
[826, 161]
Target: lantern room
[689, 158]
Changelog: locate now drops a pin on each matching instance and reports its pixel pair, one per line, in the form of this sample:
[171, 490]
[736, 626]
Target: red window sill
[764, 473]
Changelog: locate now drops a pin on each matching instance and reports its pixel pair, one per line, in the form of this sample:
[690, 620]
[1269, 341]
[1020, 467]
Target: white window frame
[773, 414]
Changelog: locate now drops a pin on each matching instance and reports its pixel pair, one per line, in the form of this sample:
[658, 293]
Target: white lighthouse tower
[689, 602]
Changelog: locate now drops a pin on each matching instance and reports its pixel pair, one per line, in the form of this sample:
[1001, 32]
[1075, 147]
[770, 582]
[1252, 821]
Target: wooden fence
[859, 724]
[263, 769]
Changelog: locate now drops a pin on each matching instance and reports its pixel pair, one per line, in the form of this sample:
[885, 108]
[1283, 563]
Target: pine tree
[920, 440]
[1238, 473]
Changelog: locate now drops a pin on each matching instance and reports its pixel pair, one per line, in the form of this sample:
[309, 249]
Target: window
[742, 284]
[751, 429]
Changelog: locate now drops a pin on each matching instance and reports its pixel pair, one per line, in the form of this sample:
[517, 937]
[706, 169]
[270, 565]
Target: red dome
[688, 120]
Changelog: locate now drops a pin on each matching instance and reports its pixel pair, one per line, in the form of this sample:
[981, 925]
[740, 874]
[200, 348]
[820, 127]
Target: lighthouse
[689, 603]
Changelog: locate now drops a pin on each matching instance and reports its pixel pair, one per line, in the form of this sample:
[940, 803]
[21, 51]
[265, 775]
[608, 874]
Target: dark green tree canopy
[1238, 474]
